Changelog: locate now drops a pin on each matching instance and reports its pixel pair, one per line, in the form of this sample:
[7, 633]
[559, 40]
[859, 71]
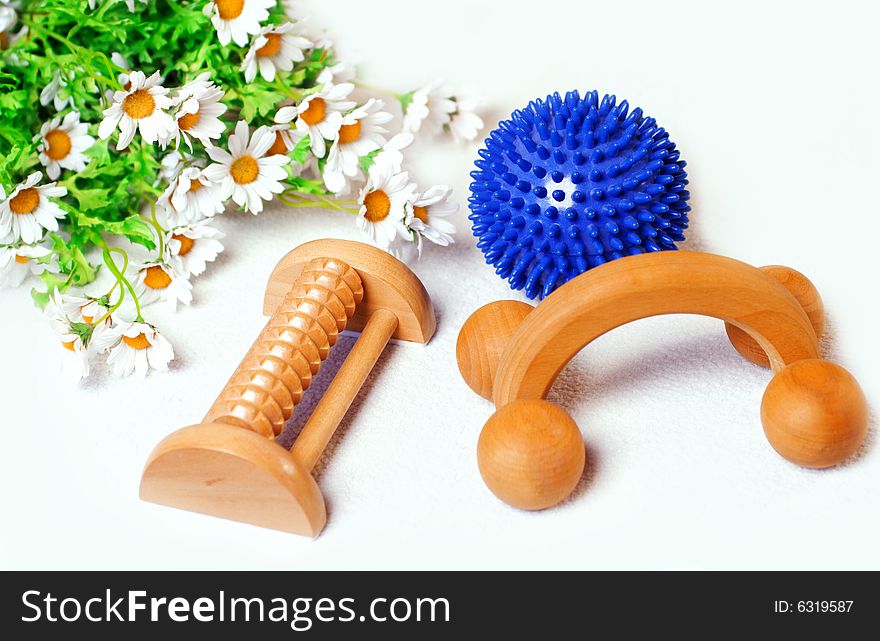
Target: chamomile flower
[193, 246]
[245, 172]
[139, 348]
[285, 140]
[434, 108]
[28, 211]
[8, 18]
[73, 335]
[361, 133]
[464, 123]
[171, 164]
[276, 47]
[74, 353]
[198, 115]
[336, 74]
[57, 91]
[392, 152]
[236, 19]
[429, 214]
[319, 115]
[95, 313]
[385, 205]
[81, 308]
[75, 359]
[142, 107]
[18, 263]
[62, 144]
[160, 281]
[190, 197]
[429, 107]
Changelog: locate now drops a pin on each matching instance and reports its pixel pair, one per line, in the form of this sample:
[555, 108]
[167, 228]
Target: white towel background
[774, 106]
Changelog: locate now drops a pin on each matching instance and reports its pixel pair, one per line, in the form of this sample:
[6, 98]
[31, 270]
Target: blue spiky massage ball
[570, 183]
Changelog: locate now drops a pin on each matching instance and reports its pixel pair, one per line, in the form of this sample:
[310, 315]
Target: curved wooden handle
[636, 287]
[270, 381]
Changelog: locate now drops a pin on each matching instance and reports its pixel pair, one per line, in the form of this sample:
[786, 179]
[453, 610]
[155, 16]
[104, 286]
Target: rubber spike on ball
[569, 183]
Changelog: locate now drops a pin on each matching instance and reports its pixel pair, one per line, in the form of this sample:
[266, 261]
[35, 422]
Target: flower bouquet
[126, 126]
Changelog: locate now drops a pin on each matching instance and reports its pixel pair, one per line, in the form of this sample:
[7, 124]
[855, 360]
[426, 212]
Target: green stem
[210, 37]
[280, 86]
[375, 89]
[313, 200]
[160, 232]
[97, 17]
[120, 279]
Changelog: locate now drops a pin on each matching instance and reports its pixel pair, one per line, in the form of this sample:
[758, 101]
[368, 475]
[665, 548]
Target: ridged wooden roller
[230, 465]
[271, 379]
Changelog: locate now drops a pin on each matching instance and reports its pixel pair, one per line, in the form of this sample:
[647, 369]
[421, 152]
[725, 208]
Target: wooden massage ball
[804, 292]
[814, 413]
[531, 454]
[482, 341]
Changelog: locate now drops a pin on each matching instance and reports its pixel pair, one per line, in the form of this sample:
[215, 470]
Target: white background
[774, 106]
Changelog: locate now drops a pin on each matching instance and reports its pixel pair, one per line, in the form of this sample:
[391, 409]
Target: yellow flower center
[315, 112]
[421, 213]
[188, 121]
[21, 259]
[139, 104]
[186, 244]
[272, 46]
[69, 345]
[25, 201]
[244, 170]
[229, 9]
[58, 143]
[87, 319]
[279, 146]
[138, 342]
[349, 133]
[157, 278]
[378, 206]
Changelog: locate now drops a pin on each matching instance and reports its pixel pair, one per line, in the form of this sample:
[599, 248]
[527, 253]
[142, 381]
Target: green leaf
[18, 161]
[367, 161]
[259, 101]
[301, 151]
[307, 185]
[41, 299]
[72, 261]
[406, 100]
[13, 100]
[89, 199]
[134, 227]
[52, 282]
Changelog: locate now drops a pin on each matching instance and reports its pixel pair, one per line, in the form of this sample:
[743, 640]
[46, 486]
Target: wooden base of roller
[235, 474]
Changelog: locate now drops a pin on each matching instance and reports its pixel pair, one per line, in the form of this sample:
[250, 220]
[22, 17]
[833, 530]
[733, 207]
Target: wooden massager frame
[531, 453]
[230, 465]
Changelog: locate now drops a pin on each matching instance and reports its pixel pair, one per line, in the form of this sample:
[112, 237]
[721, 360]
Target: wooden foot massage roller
[230, 465]
[531, 453]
